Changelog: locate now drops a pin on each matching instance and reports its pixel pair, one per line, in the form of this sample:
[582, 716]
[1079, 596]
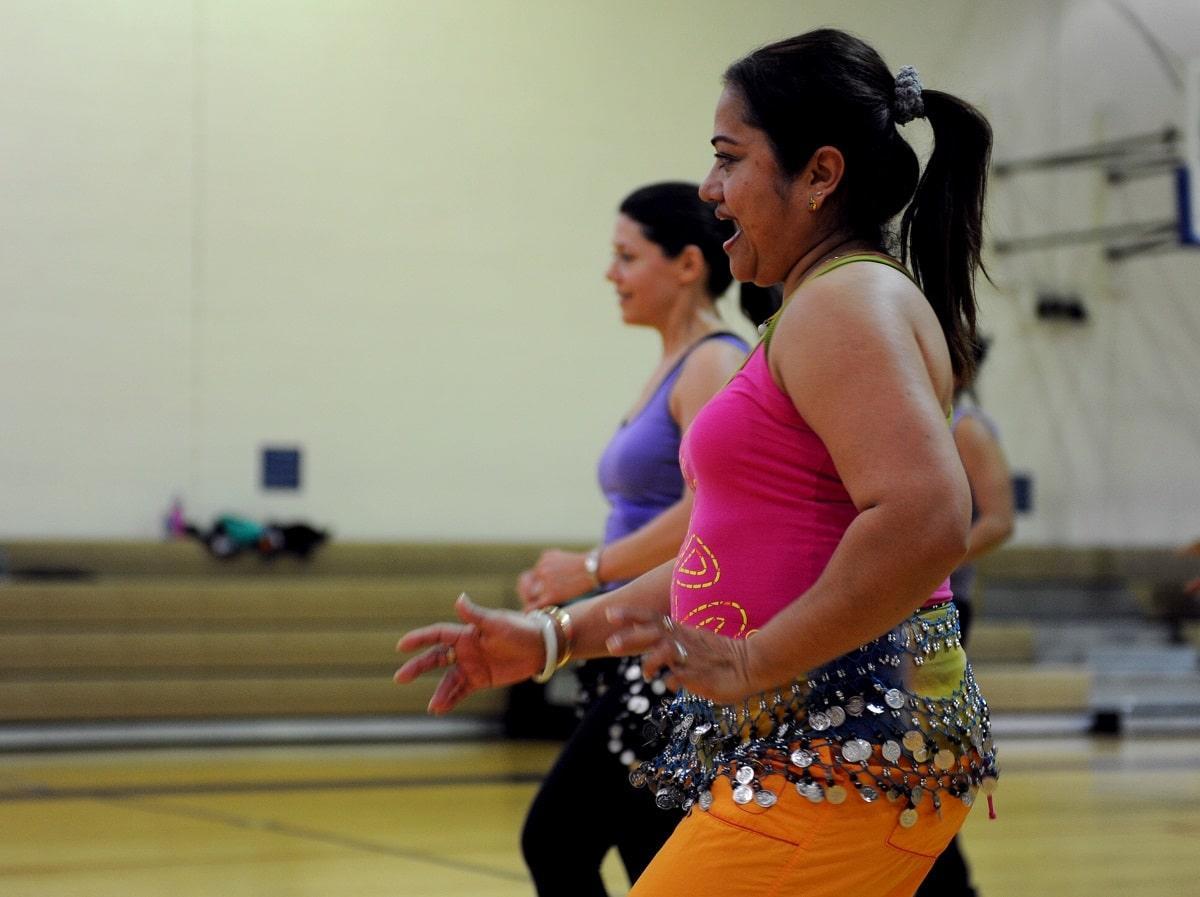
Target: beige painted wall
[378, 230]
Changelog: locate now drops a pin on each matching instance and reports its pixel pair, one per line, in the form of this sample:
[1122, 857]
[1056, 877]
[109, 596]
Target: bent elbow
[952, 550]
[995, 529]
[949, 539]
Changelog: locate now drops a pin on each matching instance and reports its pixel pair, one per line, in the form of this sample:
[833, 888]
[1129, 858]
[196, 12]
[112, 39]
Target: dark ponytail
[673, 216]
[941, 233]
[829, 88]
[759, 303]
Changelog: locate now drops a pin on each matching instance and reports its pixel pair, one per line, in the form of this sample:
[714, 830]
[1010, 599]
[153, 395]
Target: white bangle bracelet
[550, 637]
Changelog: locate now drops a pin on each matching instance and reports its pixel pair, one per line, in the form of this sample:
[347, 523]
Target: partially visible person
[828, 734]
[669, 270]
[1192, 586]
[992, 507]
[992, 517]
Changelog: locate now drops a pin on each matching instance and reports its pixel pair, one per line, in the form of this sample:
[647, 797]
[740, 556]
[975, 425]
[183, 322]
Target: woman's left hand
[488, 648]
[709, 665]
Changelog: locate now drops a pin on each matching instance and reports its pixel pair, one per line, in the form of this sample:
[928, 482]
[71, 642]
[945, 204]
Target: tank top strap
[726, 335]
[668, 380]
[878, 258]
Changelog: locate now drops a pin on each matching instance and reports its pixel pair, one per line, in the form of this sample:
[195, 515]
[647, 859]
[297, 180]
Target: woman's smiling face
[646, 280]
[750, 189]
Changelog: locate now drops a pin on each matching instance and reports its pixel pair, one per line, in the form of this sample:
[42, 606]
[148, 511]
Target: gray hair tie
[908, 103]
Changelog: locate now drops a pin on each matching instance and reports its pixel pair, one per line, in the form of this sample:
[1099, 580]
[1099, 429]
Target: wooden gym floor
[1076, 817]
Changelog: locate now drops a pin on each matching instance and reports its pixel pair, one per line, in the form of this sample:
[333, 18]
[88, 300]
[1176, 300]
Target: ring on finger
[681, 653]
[451, 656]
[668, 624]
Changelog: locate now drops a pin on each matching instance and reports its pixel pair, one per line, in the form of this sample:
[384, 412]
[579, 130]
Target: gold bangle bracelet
[568, 631]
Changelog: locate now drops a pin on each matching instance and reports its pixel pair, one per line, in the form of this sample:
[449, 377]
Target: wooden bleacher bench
[1044, 688]
[1003, 642]
[163, 631]
[1141, 571]
[1129, 587]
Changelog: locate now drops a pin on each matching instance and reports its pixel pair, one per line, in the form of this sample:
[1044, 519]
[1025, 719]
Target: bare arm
[1192, 587]
[851, 359]
[489, 648]
[991, 487]
[560, 576]
[650, 592]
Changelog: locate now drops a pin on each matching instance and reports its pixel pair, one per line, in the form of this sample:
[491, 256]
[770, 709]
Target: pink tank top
[770, 508]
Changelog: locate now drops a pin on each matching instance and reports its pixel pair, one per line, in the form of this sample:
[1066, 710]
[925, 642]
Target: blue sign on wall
[281, 468]
[1022, 484]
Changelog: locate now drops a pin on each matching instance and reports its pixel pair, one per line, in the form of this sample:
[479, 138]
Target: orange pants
[799, 848]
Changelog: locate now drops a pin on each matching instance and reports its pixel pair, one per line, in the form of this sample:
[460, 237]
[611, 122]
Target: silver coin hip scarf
[899, 718]
[630, 739]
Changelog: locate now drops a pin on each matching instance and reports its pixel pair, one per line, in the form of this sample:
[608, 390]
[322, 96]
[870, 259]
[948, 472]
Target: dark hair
[979, 352]
[829, 88]
[673, 216]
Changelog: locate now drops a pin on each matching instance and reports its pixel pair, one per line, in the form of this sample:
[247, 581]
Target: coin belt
[850, 725]
[631, 737]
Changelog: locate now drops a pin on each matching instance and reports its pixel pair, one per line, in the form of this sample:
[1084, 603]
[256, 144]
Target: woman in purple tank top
[668, 269]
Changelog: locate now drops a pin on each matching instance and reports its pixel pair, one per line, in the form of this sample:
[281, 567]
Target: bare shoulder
[866, 294]
[862, 310]
[720, 356]
[706, 370]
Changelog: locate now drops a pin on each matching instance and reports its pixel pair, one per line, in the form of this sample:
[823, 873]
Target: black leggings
[587, 806]
[949, 876]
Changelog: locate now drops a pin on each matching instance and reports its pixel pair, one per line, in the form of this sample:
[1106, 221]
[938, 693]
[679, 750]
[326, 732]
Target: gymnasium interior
[324, 283]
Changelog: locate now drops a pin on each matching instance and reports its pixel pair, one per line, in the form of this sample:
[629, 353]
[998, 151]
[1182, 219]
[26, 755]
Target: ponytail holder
[908, 103]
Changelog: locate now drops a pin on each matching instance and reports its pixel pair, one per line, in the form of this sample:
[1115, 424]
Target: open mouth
[728, 243]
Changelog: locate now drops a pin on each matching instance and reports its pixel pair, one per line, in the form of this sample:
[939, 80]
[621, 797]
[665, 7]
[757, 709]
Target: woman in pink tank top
[827, 736]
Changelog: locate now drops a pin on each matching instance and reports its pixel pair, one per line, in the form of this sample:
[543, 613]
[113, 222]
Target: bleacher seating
[156, 631]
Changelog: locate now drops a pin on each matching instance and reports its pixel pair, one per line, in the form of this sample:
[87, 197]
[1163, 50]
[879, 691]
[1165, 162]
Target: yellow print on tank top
[716, 615]
[697, 567]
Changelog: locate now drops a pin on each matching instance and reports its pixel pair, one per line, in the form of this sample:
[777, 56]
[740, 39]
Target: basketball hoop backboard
[1189, 174]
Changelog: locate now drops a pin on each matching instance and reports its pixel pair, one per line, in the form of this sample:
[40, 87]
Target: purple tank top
[639, 469]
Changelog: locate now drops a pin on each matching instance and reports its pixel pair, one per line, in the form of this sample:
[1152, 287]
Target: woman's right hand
[557, 578]
[529, 589]
[488, 649]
